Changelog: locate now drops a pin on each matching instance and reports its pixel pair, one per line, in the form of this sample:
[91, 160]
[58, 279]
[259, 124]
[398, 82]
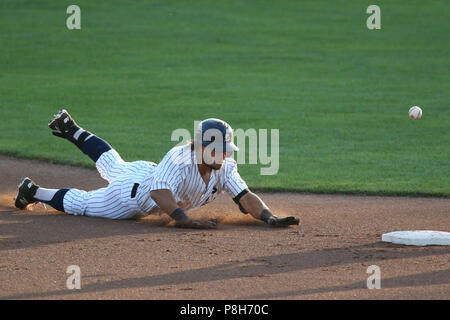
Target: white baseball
[415, 113]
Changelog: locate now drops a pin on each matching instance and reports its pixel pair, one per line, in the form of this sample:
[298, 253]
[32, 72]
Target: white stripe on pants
[113, 201]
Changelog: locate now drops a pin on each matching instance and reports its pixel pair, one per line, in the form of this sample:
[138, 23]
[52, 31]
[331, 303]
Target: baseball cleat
[25, 194]
[63, 122]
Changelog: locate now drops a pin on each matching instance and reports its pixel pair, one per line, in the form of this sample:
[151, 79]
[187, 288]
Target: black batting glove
[275, 221]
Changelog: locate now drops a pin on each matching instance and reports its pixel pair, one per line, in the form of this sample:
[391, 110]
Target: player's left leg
[88, 143]
[108, 162]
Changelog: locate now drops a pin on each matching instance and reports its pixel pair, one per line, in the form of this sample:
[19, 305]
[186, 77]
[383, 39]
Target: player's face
[221, 156]
[214, 159]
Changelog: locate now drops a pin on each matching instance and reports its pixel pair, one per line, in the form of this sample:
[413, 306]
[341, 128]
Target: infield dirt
[325, 257]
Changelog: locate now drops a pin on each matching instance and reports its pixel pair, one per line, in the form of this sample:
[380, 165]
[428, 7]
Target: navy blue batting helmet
[216, 131]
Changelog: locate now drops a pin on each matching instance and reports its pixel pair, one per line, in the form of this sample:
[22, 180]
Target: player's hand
[275, 221]
[197, 223]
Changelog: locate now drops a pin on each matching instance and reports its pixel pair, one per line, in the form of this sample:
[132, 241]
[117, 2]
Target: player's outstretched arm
[166, 201]
[253, 204]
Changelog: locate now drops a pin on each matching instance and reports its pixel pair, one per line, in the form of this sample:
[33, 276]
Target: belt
[134, 190]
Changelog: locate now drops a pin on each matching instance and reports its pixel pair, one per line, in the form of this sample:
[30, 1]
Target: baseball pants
[118, 199]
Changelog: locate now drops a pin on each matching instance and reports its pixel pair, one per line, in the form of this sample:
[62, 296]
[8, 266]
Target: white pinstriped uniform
[178, 172]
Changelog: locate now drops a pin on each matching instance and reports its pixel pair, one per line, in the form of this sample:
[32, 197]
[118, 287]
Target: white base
[418, 237]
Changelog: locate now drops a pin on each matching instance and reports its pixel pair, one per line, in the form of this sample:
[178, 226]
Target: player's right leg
[29, 192]
[107, 160]
[108, 202]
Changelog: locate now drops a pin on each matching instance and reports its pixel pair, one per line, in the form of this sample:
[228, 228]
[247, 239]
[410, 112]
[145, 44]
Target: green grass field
[338, 92]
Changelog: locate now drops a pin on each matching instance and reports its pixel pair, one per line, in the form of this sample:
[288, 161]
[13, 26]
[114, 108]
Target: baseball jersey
[130, 184]
[178, 172]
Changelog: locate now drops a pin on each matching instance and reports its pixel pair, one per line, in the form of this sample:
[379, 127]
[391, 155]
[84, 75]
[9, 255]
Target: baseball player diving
[188, 177]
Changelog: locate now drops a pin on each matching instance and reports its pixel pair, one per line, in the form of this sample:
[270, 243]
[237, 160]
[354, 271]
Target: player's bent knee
[109, 165]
